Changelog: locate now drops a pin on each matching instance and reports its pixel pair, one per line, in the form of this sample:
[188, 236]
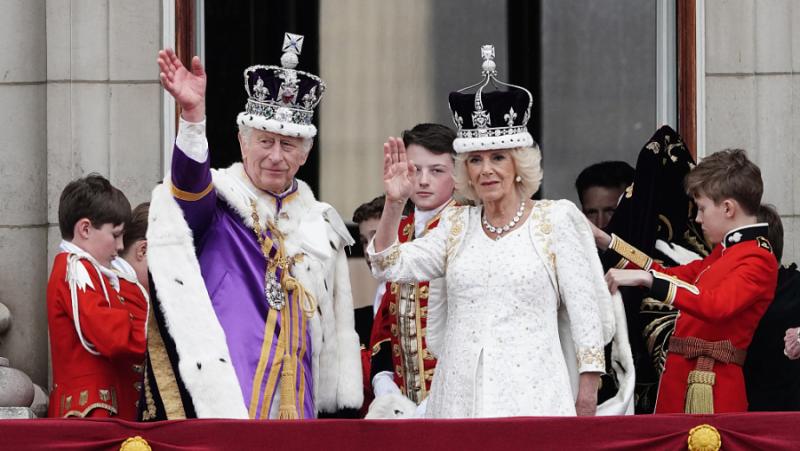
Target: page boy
[396, 366]
[92, 328]
[720, 298]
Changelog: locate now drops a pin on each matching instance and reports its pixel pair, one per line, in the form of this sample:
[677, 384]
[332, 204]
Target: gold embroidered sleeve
[389, 259]
[630, 253]
[591, 360]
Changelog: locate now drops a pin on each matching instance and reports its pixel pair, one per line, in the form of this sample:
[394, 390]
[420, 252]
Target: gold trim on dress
[591, 356]
[389, 259]
[190, 197]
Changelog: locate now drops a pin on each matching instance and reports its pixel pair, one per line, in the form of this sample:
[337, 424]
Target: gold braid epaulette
[630, 253]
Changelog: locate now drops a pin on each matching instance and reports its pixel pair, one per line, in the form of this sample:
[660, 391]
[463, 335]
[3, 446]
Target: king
[253, 315]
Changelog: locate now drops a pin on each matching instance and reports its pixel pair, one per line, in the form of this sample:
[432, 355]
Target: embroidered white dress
[498, 345]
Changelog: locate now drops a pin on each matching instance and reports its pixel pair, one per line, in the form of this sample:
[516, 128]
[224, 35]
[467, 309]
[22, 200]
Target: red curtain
[751, 431]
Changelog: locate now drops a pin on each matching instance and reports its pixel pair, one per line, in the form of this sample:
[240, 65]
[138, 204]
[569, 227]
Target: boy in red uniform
[720, 298]
[401, 362]
[92, 328]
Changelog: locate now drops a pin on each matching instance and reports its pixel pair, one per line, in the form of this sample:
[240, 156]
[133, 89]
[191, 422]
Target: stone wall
[23, 184]
[79, 93]
[752, 96]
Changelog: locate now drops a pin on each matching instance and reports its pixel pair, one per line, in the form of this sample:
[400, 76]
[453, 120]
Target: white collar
[72, 248]
[124, 269]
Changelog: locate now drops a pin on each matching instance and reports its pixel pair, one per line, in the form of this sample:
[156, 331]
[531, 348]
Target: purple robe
[233, 266]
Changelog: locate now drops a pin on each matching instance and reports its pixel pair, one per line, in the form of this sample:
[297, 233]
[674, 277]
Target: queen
[527, 312]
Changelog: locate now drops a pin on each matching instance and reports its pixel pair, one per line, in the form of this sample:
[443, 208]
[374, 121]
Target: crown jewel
[281, 99]
[490, 120]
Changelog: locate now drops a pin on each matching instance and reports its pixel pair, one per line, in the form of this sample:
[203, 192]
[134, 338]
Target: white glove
[678, 253]
[383, 384]
[391, 407]
[421, 409]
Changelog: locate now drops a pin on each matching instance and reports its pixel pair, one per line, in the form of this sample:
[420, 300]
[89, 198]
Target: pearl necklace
[501, 230]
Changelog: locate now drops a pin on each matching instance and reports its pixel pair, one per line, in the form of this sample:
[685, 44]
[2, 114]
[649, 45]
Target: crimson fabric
[84, 382]
[745, 431]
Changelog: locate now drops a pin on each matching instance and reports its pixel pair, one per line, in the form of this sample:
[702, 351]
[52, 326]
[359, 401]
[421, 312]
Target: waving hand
[398, 171]
[187, 87]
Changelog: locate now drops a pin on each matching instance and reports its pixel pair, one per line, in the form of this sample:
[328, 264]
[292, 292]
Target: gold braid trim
[163, 375]
[630, 253]
[377, 347]
[303, 300]
[190, 197]
[89, 408]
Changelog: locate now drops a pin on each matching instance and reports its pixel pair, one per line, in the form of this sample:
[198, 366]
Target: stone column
[103, 97]
[752, 87]
[79, 93]
[23, 178]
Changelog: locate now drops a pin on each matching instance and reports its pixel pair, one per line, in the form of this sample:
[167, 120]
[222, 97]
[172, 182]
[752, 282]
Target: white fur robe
[311, 227]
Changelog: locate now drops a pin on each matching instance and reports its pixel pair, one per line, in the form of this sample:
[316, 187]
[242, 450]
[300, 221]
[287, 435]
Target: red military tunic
[131, 369]
[721, 297]
[398, 340]
[85, 384]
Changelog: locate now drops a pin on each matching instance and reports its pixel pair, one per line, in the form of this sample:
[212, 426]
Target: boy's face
[366, 230]
[713, 218]
[104, 243]
[434, 183]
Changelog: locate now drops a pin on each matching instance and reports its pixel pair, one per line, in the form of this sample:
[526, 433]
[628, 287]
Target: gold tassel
[700, 393]
[288, 409]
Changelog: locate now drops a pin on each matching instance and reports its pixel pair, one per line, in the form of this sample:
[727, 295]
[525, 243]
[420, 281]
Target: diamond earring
[518, 179]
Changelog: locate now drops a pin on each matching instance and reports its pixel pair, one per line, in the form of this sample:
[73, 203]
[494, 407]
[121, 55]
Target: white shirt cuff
[192, 140]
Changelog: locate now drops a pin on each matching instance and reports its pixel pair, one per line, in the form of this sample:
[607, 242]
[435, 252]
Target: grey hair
[527, 164]
[246, 131]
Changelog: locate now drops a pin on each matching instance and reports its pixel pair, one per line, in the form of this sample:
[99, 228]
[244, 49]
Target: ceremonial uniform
[399, 343]
[655, 210]
[131, 370]
[97, 331]
[720, 300]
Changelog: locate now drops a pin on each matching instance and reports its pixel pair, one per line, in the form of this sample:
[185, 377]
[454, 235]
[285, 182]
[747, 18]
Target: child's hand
[616, 278]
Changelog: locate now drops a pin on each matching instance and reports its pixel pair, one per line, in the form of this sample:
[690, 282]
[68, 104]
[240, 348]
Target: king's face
[271, 160]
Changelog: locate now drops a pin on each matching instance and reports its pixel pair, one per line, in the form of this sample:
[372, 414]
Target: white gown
[498, 346]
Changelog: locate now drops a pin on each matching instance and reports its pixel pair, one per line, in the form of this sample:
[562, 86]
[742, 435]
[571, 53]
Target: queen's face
[491, 173]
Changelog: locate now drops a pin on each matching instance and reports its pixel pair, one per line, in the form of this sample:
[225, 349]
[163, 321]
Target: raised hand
[187, 87]
[398, 171]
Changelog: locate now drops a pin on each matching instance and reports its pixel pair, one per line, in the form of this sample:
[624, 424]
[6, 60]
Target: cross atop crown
[293, 43]
[488, 66]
